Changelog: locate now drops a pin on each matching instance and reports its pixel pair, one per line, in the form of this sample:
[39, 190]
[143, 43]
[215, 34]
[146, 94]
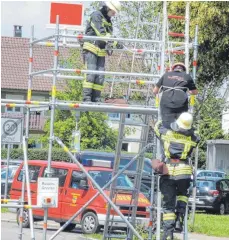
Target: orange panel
[70, 14]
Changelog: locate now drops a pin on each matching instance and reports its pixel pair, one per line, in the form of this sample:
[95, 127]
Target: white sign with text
[47, 192]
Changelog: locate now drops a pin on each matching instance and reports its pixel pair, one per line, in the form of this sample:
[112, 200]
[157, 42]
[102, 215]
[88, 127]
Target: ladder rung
[176, 17]
[133, 140]
[135, 124]
[124, 189]
[138, 90]
[174, 34]
[116, 236]
[175, 52]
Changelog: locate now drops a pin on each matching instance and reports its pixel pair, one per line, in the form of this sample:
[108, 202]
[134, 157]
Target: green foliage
[36, 154]
[208, 115]
[211, 225]
[95, 132]
[4, 210]
[212, 19]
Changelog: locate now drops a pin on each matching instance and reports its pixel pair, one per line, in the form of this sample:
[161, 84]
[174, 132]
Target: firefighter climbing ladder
[54, 104]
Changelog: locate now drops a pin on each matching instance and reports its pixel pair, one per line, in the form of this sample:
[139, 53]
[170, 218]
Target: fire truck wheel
[90, 223]
[25, 223]
[69, 228]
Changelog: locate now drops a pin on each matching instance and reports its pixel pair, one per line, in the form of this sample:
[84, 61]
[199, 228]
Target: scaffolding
[146, 110]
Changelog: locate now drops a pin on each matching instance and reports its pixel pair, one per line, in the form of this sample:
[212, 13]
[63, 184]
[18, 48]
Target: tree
[208, 118]
[95, 131]
[212, 19]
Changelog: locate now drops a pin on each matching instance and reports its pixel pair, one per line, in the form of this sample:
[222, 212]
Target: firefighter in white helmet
[94, 52]
[178, 143]
[173, 87]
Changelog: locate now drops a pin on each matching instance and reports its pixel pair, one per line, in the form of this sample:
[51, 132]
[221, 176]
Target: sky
[27, 13]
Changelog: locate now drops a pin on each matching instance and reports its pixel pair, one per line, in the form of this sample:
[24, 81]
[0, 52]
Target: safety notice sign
[47, 192]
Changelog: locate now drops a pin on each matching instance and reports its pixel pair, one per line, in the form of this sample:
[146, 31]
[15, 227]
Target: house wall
[217, 155]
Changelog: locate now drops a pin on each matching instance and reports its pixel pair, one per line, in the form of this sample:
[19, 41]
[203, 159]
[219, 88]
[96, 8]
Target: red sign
[69, 14]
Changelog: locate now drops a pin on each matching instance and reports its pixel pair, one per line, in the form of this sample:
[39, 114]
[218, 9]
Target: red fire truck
[75, 190]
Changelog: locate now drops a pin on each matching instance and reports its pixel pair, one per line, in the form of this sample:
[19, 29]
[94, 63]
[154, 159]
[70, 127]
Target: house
[14, 84]
[14, 78]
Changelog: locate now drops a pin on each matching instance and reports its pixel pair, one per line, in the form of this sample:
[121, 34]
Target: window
[125, 147]
[211, 185]
[116, 116]
[103, 177]
[218, 175]
[208, 174]
[75, 179]
[33, 173]
[58, 173]
[147, 168]
[15, 97]
[201, 174]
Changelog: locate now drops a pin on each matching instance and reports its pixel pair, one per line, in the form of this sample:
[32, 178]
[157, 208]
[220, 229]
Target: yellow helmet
[184, 121]
[114, 5]
[179, 64]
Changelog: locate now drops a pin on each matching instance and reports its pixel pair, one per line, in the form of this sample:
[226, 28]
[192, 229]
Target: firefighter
[178, 144]
[94, 52]
[173, 87]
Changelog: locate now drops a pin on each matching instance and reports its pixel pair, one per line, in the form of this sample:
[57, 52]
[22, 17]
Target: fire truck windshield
[103, 177]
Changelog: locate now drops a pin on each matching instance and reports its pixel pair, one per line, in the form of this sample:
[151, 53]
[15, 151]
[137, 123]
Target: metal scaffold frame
[100, 107]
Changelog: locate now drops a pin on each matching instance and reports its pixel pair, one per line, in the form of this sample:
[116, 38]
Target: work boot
[167, 236]
[179, 222]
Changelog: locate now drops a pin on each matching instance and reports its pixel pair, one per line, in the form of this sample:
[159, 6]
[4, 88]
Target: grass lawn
[4, 210]
[212, 224]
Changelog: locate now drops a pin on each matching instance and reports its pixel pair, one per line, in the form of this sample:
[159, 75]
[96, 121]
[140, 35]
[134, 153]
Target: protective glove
[119, 46]
[110, 45]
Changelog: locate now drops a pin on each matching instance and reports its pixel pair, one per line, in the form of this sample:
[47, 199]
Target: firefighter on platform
[173, 87]
[178, 144]
[94, 52]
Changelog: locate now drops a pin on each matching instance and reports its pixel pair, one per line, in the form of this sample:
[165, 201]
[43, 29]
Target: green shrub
[37, 154]
[42, 154]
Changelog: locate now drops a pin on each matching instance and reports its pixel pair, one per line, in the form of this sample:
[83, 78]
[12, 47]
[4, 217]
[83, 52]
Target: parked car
[75, 190]
[12, 162]
[212, 195]
[11, 173]
[125, 159]
[203, 174]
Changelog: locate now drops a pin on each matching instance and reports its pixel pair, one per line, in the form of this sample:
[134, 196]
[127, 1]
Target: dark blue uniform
[177, 147]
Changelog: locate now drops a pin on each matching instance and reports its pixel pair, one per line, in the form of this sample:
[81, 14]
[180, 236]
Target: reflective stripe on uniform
[94, 49]
[156, 128]
[173, 137]
[179, 169]
[98, 33]
[182, 198]
[87, 84]
[98, 87]
[105, 23]
[169, 216]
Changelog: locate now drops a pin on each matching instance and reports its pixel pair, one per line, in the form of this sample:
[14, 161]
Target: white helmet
[113, 5]
[184, 121]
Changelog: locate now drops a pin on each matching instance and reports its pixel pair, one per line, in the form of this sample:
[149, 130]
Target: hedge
[42, 154]
[37, 154]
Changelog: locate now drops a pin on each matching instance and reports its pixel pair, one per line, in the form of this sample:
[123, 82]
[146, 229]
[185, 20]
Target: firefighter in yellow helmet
[94, 52]
[173, 87]
[178, 144]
